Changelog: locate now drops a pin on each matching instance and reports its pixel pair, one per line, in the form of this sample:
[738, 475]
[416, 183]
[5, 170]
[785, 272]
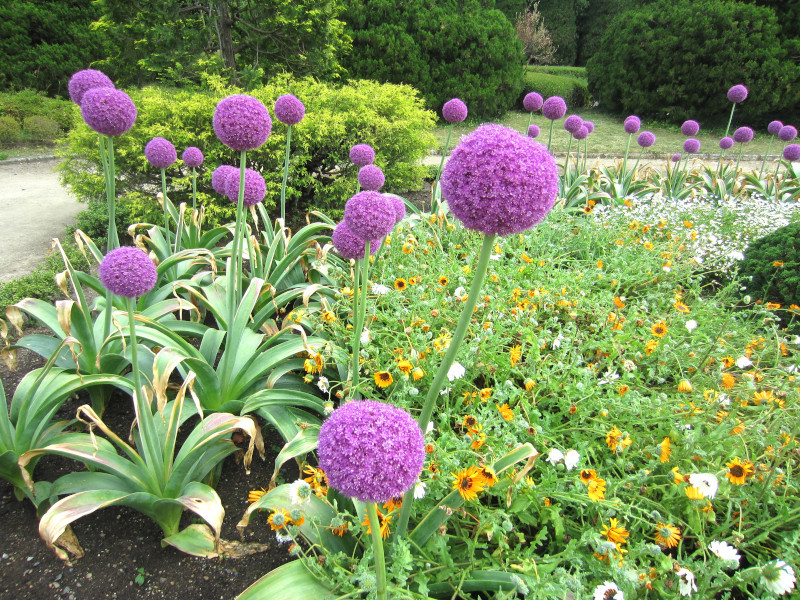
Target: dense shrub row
[572, 89]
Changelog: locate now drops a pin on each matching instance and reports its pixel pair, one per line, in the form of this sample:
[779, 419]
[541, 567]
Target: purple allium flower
[646, 139]
[675, 157]
[554, 108]
[127, 271]
[572, 123]
[242, 122]
[255, 188]
[737, 93]
[369, 215]
[743, 135]
[534, 131]
[582, 133]
[533, 101]
[787, 133]
[219, 178]
[351, 246]
[454, 111]
[499, 182]
[726, 143]
[691, 146]
[160, 153]
[289, 110]
[792, 152]
[774, 127]
[371, 451]
[589, 125]
[362, 155]
[632, 124]
[399, 207]
[690, 127]
[370, 177]
[192, 157]
[108, 111]
[83, 81]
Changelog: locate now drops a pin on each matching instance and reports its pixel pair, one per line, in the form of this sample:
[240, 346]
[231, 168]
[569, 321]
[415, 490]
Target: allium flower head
[454, 111]
[500, 182]
[690, 127]
[371, 451]
[632, 124]
[369, 215]
[370, 177]
[85, 80]
[554, 108]
[737, 93]
[534, 131]
[581, 133]
[533, 101]
[127, 271]
[362, 155]
[691, 146]
[289, 110]
[646, 139]
[160, 152]
[675, 157]
[351, 246]
[399, 208]
[743, 135]
[192, 157]
[589, 125]
[255, 188]
[108, 111]
[792, 152]
[787, 133]
[774, 127]
[219, 177]
[572, 123]
[242, 122]
[726, 143]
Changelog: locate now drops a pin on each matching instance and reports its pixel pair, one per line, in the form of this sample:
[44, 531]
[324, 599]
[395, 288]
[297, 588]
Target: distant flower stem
[441, 166]
[566, 160]
[739, 158]
[137, 376]
[194, 190]
[285, 174]
[112, 239]
[377, 549]
[625, 158]
[359, 315]
[550, 135]
[764, 161]
[164, 202]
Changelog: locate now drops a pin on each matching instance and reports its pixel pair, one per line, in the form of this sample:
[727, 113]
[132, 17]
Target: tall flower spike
[160, 153]
[128, 272]
[242, 122]
[108, 111]
[83, 81]
[454, 111]
[369, 215]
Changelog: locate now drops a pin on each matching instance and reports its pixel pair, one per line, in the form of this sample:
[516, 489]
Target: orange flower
[618, 302]
[728, 380]
[739, 471]
[469, 483]
[665, 450]
[659, 329]
[505, 412]
[596, 489]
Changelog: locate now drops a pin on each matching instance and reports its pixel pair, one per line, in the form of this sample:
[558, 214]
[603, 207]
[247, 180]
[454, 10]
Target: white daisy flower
[300, 492]
[778, 577]
[322, 384]
[691, 325]
[555, 456]
[365, 337]
[608, 591]
[707, 483]
[743, 362]
[571, 459]
[380, 289]
[460, 292]
[456, 371]
[429, 428]
[419, 489]
[686, 582]
[725, 551]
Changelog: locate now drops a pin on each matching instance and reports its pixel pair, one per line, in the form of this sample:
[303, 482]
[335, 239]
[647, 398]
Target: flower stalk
[377, 549]
[285, 174]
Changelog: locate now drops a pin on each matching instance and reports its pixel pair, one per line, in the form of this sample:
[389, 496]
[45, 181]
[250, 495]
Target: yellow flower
[677, 478]
[443, 281]
[685, 386]
[650, 346]
[773, 305]
[328, 316]
[659, 329]
[515, 355]
[618, 302]
[738, 471]
[596, 489]
[469, 482]
[488, 475]
[486, 393]
[529, 384]
[614, 532]
[693, 493]
[478, 437]
[279, 519]
[383, 379]
[417, 374]
[588, 475]
[315, 363]
[405, 366]
[681, 307]
[408, 248]
[777, 263]
[728, 380]
[255, 495]
[526, 258]
[667, 536]
[665, 450]
[383, 527]
[400, 284]
[469, 421]
[505, 412]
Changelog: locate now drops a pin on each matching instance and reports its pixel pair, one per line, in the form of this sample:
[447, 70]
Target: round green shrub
[771, 268]
[573, 90]
[9, 131]
[676, 59]
[41, 129]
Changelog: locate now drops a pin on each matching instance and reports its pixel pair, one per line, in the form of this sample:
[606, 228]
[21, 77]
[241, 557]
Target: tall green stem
[360, 316]
[441, 374]
[285, 174]
[739, 158]
[441, 166]
[356, 334]
[194, 190]
[137, 376]
[730, 120]
[112, 242]
[566, 160]
[764, 161]
[377, 549]
[625, 158]
[164, 201]
[550, 135]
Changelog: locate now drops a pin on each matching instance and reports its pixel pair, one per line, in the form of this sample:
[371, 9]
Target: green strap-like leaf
[288, 582]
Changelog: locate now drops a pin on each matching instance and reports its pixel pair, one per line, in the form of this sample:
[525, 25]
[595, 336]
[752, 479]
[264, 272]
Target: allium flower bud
[726, 143]
[351, 246]
[127, 271]
[572, 123]
[192, 157]
[219, 177]
[646, 139]
[774, 127]
[632, 124]
[554, 108]
[792, 152]
[160, 153]
[675, 157]
[582, 133]
[534, 131]
[371, 177]
[499, 182]
[371, 451]
[83, 81]
[589, 125]
[690, 127]
[533, 101]
[399, 207]
[108, 111]
[369, 215]
[743, 135]
[362, 155]
[255, 188]
[454, 111]
[242, 122]
[691, 146]
[787, 133]
[737, 93]
[289, 110]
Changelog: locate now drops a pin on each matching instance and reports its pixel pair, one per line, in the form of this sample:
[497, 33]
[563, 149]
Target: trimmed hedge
[30, 103]
[560, 18]
[573, 90]
[10, 131]
[770, 282]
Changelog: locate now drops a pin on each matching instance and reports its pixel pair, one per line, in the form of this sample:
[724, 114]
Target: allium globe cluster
[127, 271]
[362, 155]
[554, 108]
[792, 152]
[371, 177]
[371, 451]
[499, 182]
[289, 110]
[399, 208]
[589, 125]
[787, 133]
[774, 127]
[242, 122]
[690, 127]
[581, 133]
[219, 178]
[743, 135]
[369, 215]
[83, 81]
[646, 139]
[691, 146]
[454, 111]
[572, 123]
[533, 101]
[108, 111]
[737, 93]
[726, 143]
[632, 124]
[160, 153]
[351, 246]
[534, 131]
[192, 157]
[675, 157]
[255, 188]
